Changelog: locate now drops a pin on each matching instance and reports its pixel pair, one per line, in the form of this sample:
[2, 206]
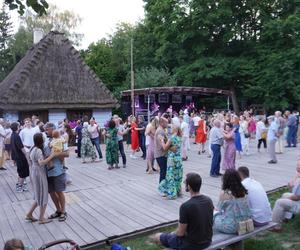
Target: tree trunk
[234, 100]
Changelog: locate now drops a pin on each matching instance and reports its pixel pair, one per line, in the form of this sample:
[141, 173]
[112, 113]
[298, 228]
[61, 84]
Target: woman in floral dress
[87, 148]
[233, 204]
[170, 187]
[112, 147]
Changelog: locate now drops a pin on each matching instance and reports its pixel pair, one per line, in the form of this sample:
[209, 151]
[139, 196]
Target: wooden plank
[103, 204]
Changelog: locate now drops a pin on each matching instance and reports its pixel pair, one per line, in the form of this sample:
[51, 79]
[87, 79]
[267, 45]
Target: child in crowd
[56, 145]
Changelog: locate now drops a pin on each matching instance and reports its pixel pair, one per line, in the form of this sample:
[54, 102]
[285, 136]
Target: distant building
[53, 82]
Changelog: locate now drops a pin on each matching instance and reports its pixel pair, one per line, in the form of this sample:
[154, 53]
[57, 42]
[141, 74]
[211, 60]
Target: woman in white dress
[245, 136]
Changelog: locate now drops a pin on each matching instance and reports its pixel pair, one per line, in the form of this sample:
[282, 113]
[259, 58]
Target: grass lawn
[288, 239]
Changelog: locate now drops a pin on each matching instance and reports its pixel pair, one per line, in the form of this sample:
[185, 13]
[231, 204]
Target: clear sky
[99, 17]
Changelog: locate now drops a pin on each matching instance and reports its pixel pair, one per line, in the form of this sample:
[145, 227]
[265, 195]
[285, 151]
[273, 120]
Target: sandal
[62, 217]
[31, 219]
[55, 215]
[45, 221]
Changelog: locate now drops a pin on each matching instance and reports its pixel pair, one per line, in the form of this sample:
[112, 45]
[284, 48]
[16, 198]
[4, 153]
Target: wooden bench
[234, 242]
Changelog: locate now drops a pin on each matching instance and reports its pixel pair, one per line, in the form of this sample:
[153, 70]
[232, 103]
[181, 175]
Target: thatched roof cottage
[53, 82]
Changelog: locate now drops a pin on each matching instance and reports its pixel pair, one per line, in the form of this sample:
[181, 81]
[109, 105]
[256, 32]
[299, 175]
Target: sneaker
[272, 162]
[25, 187]
[19, 188]
[124, 166]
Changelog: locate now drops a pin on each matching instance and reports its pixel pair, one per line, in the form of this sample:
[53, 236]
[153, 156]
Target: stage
[102, 204]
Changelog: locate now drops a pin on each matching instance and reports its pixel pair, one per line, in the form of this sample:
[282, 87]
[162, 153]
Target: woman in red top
[201, 134]
[134, 137]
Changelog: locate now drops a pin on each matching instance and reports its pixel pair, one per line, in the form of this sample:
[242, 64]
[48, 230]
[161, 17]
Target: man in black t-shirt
[194, 231]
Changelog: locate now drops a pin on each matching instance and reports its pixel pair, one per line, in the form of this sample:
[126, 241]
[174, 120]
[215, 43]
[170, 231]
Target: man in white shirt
[2, 137]
[272, 138]
[27, 134]
[94, 130]
[281, 125]
[185, 137]
[260, 133]
[257, 198]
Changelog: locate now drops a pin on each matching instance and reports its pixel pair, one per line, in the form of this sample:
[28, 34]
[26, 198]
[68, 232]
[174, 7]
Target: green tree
[99, 57]
[63, 21]
[276, 76]
[5, 35]
[39, 6]
[20, 42]
[153, 77]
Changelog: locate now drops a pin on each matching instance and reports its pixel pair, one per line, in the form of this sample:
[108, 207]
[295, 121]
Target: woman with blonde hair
[150, 133]
[170, 187]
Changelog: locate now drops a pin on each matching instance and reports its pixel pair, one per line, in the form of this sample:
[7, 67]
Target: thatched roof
[52, 75]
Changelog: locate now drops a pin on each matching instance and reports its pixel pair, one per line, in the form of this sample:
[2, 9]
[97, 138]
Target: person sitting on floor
[257, 198]
[287, 205]
[194, 229]
[233, 205]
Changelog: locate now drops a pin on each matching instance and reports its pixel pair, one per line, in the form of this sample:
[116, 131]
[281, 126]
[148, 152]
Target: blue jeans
[216, 159]
[172, 241]
[121, 148]
[292, 136]
[142, 142]
[162, 163]
[96, 143]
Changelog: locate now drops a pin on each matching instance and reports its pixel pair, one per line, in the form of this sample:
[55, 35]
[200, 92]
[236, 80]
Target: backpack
[116, 246]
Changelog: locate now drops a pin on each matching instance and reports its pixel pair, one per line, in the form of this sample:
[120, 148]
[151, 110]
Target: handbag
[247, 135]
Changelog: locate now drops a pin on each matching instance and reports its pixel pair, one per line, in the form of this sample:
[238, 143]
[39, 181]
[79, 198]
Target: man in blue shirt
[216, 139]
[56, 176]
[292, 124]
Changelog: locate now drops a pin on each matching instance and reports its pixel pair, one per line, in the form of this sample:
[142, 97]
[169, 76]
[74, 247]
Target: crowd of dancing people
[39, 150]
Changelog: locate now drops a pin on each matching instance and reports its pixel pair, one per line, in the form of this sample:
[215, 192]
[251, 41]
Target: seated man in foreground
[288, 204]
[259, 204]
[195, 220]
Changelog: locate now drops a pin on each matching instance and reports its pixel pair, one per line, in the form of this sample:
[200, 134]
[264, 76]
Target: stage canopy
[179, 90]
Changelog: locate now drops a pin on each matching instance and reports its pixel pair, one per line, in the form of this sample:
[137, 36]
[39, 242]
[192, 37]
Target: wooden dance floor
[103, 204]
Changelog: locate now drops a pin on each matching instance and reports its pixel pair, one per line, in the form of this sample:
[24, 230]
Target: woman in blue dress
[237, 135]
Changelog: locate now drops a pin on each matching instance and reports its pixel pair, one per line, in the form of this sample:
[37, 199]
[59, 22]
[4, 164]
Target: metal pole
[148, 108]
[228, 103]
[132, 78]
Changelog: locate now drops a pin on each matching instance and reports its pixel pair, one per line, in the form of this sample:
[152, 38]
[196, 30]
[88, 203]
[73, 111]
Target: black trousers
[260, 141]
[79, 148]
[162, 163]
[121, 149]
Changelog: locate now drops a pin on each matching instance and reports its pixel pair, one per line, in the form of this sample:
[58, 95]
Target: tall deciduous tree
[5, 34]
[39, 6]
[64, 21]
